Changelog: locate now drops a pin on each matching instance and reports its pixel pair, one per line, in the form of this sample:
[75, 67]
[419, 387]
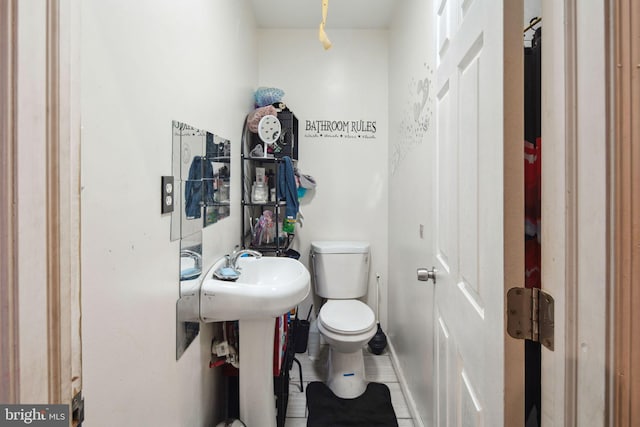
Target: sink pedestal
[257, 400]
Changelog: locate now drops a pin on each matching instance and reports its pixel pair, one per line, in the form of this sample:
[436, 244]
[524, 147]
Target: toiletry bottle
[271, 180]
[289, 224]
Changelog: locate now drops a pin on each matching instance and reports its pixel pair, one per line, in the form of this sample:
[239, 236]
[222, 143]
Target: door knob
[424, 275]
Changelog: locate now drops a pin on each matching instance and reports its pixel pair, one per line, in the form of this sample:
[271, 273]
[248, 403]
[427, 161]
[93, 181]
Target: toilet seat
[346, 317]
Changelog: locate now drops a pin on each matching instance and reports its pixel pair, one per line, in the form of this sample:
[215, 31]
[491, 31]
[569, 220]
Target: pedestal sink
[267, 288]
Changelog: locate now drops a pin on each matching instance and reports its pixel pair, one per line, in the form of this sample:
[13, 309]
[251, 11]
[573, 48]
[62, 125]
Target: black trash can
[292, 253]
[301, 335]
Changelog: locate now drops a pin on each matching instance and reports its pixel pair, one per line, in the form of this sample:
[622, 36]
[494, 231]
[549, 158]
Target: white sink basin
[267, 288]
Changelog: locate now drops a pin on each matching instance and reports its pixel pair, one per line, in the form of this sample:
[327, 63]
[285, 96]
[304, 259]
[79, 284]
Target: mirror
[201, 166]
[217, 179]
[202, 171]
[187, 307]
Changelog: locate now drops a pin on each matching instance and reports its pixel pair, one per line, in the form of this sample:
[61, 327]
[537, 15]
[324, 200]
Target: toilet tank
[340, 268]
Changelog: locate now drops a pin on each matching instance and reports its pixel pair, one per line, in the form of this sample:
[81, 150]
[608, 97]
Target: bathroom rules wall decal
[340, 129]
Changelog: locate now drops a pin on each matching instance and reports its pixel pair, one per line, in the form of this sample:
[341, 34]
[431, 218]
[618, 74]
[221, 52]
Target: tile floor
[377, 368]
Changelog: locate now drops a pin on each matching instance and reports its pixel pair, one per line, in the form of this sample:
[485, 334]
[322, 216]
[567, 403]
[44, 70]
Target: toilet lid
[347, 317]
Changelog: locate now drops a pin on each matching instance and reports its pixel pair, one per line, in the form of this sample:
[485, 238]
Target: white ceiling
[354, 14]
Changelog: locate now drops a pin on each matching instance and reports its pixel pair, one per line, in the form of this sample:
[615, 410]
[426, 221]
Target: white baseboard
[408, 397]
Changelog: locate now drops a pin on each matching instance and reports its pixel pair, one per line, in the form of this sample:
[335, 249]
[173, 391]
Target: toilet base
[345, 374]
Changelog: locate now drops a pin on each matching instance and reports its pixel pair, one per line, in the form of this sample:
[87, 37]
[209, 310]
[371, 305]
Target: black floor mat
[372, 409]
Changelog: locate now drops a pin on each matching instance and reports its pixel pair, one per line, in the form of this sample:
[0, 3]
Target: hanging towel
[287, 187]
[198, 187]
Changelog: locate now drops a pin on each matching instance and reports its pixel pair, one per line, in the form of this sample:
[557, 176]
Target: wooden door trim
[559, 209]
[58, 49]
[53, 203]
[571, 306]
[9, 354]
[63, 200]
[513, 203]
[626, 381]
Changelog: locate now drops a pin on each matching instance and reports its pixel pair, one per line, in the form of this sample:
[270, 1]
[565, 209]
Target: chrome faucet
[232, 260]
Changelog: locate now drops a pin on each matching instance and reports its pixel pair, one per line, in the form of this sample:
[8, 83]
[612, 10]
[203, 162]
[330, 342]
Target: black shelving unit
[252, 211]
[281, 388]
[281, 382]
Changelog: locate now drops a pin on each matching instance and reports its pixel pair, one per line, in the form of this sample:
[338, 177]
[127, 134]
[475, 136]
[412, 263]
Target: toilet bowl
[341, 276]
[347, 326]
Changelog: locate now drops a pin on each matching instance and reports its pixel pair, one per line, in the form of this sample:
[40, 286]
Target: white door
[478, 243]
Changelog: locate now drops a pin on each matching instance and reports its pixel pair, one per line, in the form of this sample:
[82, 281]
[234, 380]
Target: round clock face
[269, 129]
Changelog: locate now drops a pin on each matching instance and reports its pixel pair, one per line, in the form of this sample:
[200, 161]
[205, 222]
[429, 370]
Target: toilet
[341, 275]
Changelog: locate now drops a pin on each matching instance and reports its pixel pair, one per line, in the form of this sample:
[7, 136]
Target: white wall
[412, 136]
[348, 82]
[144, 64]
[532, 8]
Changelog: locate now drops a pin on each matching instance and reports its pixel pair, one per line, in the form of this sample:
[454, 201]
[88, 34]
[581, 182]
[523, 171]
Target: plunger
[378, 343]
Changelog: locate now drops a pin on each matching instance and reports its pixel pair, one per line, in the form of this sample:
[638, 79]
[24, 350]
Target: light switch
[167, 194]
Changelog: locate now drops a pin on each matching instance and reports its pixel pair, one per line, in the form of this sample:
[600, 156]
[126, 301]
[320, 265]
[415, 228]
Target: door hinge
[530, 315]
[77, 409]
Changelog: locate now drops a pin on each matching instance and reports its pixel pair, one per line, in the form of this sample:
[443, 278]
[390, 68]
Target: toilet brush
[378, 343]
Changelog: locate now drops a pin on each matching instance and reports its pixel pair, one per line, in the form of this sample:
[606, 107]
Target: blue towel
[190, 273]
[193, 190]
[287, 187]
[198, 189]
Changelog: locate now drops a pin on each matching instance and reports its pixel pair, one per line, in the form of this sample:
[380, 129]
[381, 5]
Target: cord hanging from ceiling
[322, 36]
